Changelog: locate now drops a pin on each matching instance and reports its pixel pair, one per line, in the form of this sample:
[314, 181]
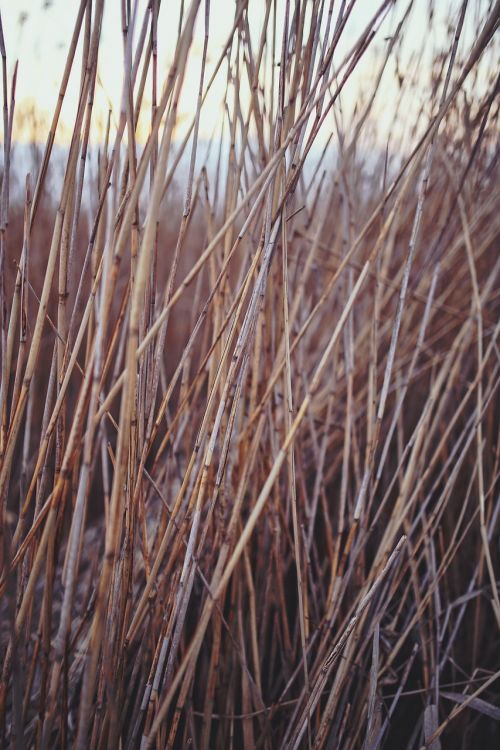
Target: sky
[37, 33]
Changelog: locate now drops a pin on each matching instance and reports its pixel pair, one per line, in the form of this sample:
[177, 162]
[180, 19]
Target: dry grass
[249, 439]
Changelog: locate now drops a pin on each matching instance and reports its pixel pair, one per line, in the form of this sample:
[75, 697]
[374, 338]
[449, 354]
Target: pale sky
[38, 33]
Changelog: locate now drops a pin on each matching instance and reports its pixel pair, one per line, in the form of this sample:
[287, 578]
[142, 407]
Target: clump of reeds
[249, 445]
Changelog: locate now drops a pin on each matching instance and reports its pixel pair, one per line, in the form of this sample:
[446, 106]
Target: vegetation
[249, 445]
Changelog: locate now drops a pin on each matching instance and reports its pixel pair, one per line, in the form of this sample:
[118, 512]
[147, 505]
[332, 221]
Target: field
[250, 362]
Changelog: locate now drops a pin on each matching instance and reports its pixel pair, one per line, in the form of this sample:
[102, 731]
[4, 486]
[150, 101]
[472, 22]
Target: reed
[249, 446]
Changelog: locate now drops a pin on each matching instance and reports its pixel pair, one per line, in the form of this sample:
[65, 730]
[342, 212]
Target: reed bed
[249, 434]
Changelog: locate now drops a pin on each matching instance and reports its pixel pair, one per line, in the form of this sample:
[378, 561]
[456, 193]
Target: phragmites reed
[249, 443]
